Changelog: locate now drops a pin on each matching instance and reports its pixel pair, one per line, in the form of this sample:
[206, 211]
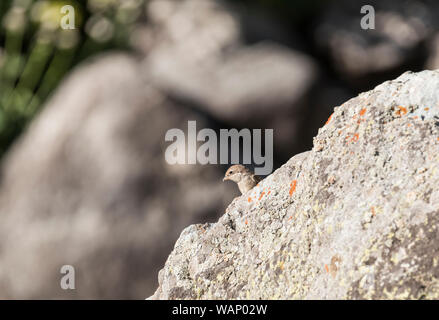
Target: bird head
[235, 173]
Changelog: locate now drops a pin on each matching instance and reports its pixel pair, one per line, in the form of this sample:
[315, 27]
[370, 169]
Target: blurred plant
[35, 53]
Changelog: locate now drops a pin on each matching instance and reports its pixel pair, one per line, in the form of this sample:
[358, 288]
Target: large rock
[356, 217]
[88, 186]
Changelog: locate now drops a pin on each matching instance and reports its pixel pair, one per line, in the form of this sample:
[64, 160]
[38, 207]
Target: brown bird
[245, 179]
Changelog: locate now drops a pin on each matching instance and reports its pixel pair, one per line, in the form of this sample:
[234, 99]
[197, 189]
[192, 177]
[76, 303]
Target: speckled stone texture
[355, 218]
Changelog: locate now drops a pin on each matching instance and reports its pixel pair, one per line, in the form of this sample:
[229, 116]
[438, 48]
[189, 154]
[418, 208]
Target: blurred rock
[255, 83]
[357, 217]
[433, 61]
[197, 54]
[202, 57]
[401, 28]
[88, 186]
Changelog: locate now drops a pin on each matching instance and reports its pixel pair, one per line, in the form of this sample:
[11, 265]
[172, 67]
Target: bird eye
[230, 172]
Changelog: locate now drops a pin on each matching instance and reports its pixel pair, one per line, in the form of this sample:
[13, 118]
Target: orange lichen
[352, 138]
[326, 268]
[249, 199]
[361, 113]
[426, 109]
[291, 217]
[329, 119]
[293, 185]
[262, 194]
[281, 265]
[355, 137]
[246, 221]
[373, 211]
[333, 268]
[402, 111]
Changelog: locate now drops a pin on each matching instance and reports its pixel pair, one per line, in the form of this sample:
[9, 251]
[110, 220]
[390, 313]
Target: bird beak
[225, 178]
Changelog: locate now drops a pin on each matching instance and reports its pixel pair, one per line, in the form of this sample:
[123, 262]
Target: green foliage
[36, 53]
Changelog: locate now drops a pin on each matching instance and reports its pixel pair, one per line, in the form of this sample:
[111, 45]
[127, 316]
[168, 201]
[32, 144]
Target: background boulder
[88, 186]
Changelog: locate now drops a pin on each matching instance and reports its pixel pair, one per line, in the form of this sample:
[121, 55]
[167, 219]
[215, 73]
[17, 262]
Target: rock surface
[356, 217]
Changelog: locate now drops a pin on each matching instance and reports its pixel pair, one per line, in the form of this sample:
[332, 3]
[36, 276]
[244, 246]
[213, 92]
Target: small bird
[245, 179]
